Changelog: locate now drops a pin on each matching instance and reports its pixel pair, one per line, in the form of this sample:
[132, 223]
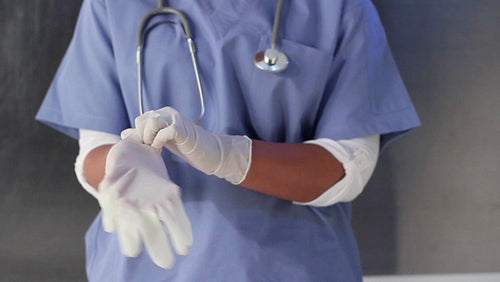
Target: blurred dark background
[432, 206]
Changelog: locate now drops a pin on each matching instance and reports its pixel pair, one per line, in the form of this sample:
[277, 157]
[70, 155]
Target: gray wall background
[432, 206]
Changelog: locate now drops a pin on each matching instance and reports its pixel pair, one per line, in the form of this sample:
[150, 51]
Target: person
[260, 189]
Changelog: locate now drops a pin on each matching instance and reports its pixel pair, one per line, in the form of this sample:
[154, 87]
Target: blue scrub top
[341, 83]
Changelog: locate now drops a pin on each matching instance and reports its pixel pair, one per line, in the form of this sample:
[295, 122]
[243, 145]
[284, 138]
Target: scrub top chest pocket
[284, 106]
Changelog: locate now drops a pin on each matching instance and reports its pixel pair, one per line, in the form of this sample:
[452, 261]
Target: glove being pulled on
[142, 204]
[226, 156]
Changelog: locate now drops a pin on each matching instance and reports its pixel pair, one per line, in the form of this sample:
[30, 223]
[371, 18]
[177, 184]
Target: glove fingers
[108, 198]
[130, 241]
[141, 121]
[154, 124]
[155, 240]
[187, 136]
[107, 218]
[178, 225]
[108, 208]
[126, 133]
[163, 136]
[130, 134]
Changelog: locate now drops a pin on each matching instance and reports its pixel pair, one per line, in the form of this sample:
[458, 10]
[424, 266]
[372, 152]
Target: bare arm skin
[95, 164]
[291, 171]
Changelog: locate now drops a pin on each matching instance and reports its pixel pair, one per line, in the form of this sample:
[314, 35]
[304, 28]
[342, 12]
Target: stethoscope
[270, 60]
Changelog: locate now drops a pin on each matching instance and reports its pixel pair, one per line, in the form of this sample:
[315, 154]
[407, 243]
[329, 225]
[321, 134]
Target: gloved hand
[136, 196]
[226, 156]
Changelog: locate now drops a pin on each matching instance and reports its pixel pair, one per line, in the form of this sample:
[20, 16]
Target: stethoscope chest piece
[271, 60]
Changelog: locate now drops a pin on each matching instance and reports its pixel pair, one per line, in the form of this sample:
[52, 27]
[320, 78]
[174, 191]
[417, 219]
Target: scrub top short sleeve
[85, 92]
[365, 94]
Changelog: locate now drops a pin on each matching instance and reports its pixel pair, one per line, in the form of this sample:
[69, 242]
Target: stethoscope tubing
[276, 24]
[270, 60]
[192, 50]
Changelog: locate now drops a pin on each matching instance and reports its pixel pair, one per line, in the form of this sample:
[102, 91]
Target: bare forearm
[295, 172]
[95, 164]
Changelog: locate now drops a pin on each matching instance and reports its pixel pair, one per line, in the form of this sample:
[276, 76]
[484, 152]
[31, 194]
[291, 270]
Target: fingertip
[153, 126]
[166, 264]
[140, 122]
[161, 254]
[130, 242]
[130, 250]
[132, 253]
[164, 135]
[184, 251]
[157, 147]
[126, 133]
[108, 225]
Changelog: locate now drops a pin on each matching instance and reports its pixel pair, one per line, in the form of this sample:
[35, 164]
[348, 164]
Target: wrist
[236, 157]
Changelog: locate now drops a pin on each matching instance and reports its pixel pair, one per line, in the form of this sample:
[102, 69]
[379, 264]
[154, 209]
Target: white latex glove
[136, 196]
[226, 156]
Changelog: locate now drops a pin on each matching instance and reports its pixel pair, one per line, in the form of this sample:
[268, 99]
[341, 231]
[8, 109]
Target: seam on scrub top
[371, 94]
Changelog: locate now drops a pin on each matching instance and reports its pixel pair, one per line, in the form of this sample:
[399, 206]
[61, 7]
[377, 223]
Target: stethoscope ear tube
[162, 11]
[192, 50]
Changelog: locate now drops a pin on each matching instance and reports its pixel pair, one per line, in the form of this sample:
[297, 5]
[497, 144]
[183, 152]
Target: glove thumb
[127, 133]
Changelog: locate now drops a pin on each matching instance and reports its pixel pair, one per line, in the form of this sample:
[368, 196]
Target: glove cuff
[236, 157]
